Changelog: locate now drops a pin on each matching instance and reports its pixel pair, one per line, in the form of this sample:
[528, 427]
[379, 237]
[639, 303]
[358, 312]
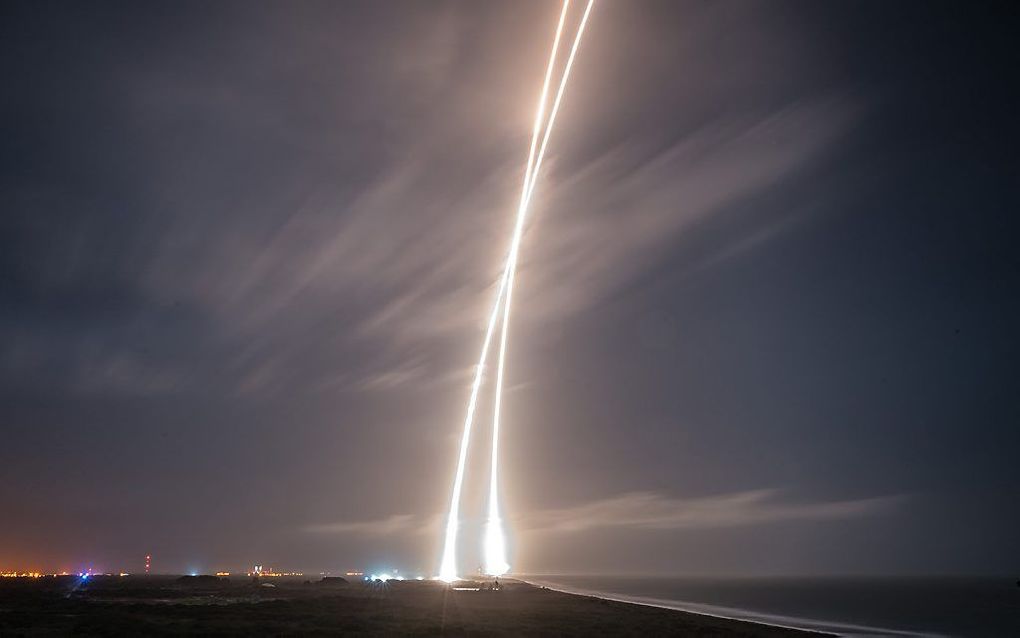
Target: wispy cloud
[407, 265]
[604, 222]
[651, 510]
[395, 524]
[360, 250]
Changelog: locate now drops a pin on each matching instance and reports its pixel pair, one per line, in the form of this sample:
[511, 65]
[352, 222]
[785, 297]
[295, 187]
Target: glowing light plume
[495, 543]
[448, 566]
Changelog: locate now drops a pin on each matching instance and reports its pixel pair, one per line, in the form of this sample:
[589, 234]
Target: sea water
[846, 606]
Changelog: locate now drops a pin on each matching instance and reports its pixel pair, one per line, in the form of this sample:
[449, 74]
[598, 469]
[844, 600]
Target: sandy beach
[168, 605]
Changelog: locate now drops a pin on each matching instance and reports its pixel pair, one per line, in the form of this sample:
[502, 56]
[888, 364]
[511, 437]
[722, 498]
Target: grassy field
[157, 606]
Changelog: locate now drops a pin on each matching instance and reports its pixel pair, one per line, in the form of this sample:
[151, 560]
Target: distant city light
[31, 574]
[267, 572]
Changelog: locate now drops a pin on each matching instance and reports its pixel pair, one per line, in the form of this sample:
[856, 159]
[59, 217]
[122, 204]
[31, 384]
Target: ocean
[845, 606]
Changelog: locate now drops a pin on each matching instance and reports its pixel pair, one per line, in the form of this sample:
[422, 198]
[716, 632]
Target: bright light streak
[495, 544]
[495, 541]
[448, 565]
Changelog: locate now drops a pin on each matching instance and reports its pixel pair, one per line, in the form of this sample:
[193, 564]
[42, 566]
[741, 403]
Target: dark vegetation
[200, 581]
[164, 606]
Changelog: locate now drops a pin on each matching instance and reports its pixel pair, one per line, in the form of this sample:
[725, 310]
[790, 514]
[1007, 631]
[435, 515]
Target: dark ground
[164, 605]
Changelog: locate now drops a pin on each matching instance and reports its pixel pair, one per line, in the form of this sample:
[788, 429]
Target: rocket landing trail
[495, 542]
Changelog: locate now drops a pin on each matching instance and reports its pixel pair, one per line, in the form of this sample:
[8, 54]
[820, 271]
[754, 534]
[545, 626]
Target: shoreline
[181, 605]
[807, 625]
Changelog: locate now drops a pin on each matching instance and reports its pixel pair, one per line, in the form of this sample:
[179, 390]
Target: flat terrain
[166, 605]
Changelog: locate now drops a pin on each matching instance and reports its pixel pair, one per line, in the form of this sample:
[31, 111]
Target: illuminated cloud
[395, 524]
[647, 510]
[294, 271]
[651, 510]
[606, 221]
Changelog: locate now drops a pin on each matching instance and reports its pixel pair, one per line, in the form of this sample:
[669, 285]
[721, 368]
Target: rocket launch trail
[495, 542]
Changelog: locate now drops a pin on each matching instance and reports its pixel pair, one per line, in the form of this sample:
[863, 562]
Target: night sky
[766, 320]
